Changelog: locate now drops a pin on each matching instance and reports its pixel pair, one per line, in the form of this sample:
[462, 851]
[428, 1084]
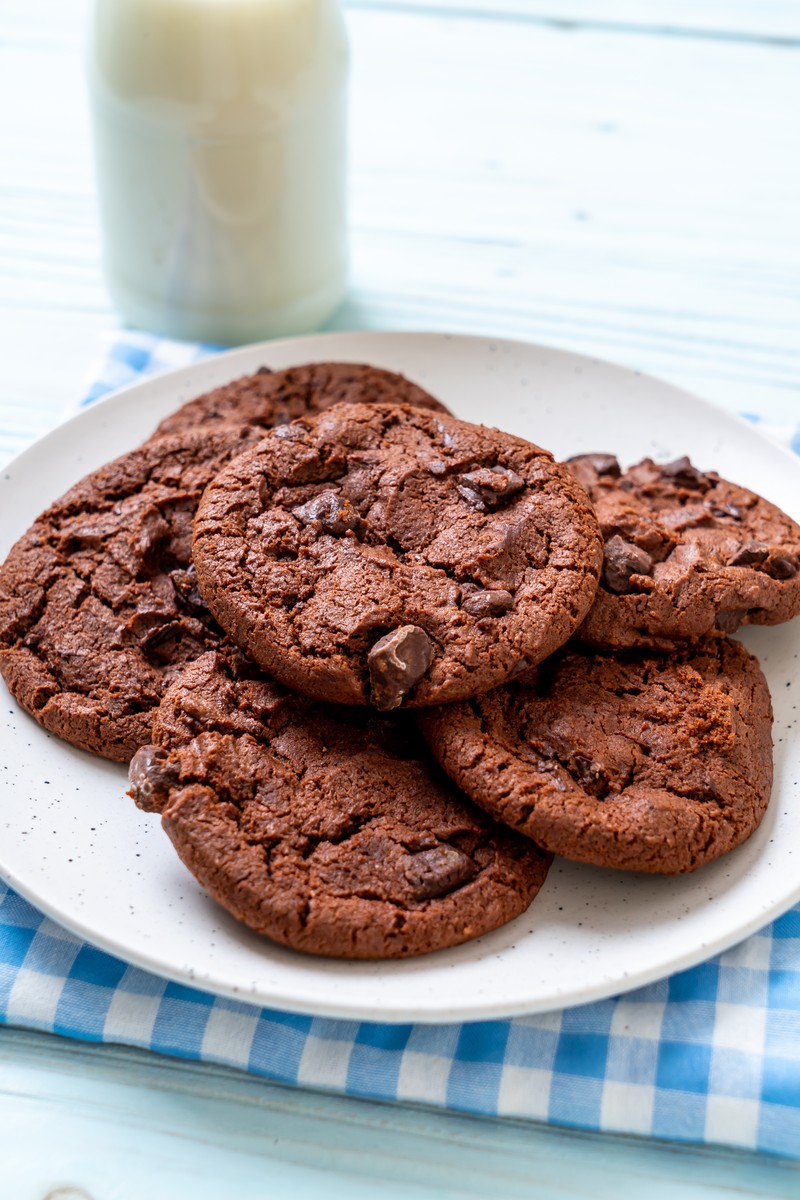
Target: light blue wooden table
[618, 177]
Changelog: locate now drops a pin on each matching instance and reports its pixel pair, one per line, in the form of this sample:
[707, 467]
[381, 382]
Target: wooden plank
[747, 20]
[122, 1124]
[773, 20]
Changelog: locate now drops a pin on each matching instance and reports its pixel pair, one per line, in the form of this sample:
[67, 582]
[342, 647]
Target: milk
[220, 154]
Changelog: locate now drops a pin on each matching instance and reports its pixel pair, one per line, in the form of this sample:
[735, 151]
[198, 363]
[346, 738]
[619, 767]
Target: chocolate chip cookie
[638, 761]
[271, 398]
[687, 554]
[99, 605]
[327, 829]
[389, 555]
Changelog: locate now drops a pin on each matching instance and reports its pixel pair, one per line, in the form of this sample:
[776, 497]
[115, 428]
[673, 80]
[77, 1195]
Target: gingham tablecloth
[709, 1055]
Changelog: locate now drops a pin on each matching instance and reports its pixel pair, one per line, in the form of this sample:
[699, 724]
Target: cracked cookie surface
[388, 555]
[270, 398]
[328, 829]
[687, 554]
[638, 761]
[99, 606]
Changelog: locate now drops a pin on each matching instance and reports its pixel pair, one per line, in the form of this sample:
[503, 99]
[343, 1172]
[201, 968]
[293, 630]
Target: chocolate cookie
[271, 398]
[327, 829]
[99, 607]
[385, 554]
[642, 761]
[687, 554]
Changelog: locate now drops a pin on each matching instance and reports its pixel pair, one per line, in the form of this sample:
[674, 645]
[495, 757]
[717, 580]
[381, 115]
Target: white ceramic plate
[76, 847]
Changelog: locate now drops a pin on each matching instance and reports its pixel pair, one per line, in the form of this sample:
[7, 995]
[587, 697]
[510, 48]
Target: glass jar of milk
[220, 152]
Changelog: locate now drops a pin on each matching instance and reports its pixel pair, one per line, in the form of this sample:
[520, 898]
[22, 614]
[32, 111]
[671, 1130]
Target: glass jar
[219, 133]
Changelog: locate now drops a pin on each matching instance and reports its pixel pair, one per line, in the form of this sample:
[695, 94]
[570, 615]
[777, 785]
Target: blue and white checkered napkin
[709, 1055]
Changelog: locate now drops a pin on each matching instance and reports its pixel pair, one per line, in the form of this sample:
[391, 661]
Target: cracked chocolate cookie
[388, 555]
[271, 398]
[328, 829]
[99, 606]
[638, 761]
[687, 554]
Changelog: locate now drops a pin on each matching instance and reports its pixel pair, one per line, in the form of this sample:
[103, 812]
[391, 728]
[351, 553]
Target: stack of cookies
[374, 666]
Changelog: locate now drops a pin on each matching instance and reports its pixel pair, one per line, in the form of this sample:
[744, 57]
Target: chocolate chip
[396, 662]
[264, 371]
[590, 775]
[748, 554]
[332, 513]
[288, 432]
[147, 621]
[152, 533]
[436, 872]
[159, 642]
[602, 464]
[151, 777]
[682, 473]
[154, 633]
[489, 488]
[621, 561]
[782, 566]
[728, 620]
[187, 591]
[488, 603]
[725, 510]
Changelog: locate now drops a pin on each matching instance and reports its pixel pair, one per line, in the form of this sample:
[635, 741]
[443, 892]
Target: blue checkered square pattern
[710, 1055]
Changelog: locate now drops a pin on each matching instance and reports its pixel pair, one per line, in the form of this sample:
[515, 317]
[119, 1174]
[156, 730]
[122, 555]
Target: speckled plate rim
[74, 846]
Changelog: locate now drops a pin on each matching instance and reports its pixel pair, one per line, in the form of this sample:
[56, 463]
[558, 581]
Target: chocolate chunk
[748, 554]
[288, 432]
[488, 603]
[682, 473]
[489, 488]
[264, 371]
[159, 642]
[145, 623]
[602, 464]
[187, 591]
[728, 620]
[590, 775]
[396, 662]
[153, 531]
[151, 777]
[622, 560]
[725, 510]
[782, 566]
[436, 872]
[156, 633]
[333, 513]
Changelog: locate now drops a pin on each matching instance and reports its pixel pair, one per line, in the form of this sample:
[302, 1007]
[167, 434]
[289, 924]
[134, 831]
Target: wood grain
[121, 1124]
